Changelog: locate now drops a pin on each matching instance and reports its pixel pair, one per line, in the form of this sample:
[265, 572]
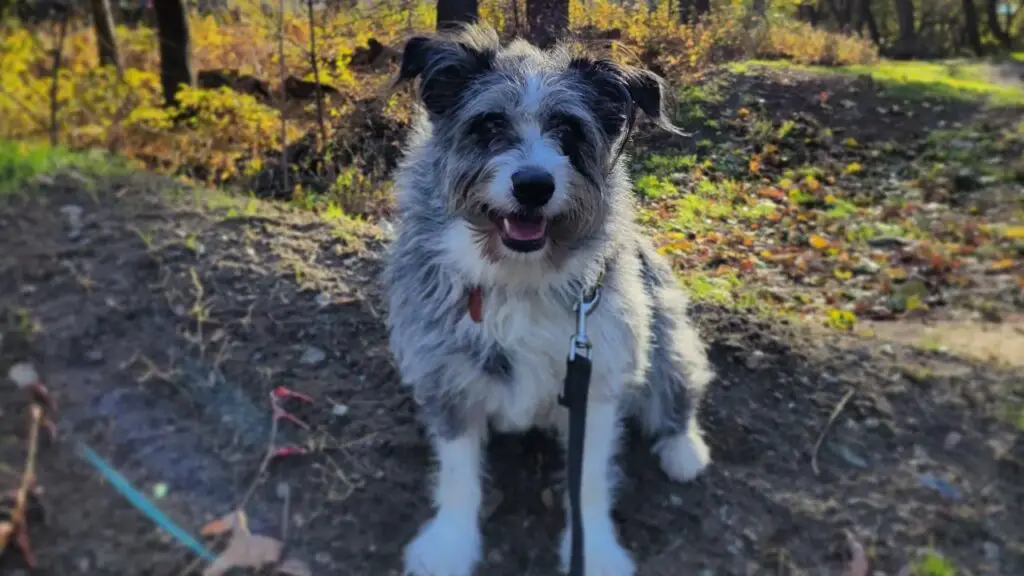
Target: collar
[475, 297]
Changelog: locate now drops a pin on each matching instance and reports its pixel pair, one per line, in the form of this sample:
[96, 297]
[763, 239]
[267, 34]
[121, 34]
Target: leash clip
[579, 343]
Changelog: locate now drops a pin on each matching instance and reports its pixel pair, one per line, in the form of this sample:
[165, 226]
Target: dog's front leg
[450, 543]
[603, 555]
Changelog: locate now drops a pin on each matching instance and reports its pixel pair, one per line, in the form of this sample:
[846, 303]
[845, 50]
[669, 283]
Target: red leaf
[285, 393]
[281, 414]
[288, 451]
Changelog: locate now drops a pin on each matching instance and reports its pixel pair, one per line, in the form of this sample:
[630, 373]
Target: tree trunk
[685, 11]
[175, 48]
[548, 21]
[868, 17]
[971, 27]
[103, 20]
[1001, 35]
[906, 43]
[701, 8]
[451, 12]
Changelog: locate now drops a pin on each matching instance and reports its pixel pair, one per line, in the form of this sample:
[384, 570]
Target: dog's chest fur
[533, 332]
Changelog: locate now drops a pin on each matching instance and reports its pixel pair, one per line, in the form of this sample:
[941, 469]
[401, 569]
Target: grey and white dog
[513, 197]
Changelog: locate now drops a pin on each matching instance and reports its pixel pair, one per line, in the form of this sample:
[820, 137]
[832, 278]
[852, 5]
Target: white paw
[444, 547]
[684, 456]
[602, 553]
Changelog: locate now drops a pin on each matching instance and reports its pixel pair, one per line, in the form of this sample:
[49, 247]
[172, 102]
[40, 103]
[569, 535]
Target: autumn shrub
[221, 136]
[805, 44]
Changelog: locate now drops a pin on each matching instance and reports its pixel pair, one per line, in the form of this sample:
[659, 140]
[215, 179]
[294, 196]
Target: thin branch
[284, 131]
[58, 52]
[828, 426]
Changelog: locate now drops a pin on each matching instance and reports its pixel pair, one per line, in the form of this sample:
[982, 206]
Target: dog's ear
[621, 90]
[445, 69]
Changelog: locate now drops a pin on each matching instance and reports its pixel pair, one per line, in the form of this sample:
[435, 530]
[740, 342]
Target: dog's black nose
[533, 187]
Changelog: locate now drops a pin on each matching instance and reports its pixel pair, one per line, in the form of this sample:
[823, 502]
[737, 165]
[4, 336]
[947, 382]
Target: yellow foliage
[218, 134]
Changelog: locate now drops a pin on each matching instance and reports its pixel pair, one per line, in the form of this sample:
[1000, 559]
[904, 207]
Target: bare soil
[162, 323]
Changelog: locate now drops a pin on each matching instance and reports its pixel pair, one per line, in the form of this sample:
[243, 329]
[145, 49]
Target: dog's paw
[602, 553]
[684, 456]
[444, 547]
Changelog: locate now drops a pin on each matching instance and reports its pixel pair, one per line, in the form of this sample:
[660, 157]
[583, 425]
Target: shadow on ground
[162, 324]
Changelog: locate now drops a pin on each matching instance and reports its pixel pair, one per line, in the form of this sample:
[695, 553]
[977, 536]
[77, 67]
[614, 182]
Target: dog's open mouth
[521, 231]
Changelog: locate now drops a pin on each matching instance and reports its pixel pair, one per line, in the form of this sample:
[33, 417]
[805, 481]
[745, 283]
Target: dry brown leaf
[245, 550]
[858, 560]
[293, 567]
[225, 523]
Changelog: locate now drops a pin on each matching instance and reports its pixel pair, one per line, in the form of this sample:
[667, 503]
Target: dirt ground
[164, 318]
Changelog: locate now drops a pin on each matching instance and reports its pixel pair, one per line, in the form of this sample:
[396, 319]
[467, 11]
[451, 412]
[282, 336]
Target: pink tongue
[522, 230]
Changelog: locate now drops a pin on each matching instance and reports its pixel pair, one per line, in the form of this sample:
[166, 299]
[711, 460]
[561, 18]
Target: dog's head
[528, 141]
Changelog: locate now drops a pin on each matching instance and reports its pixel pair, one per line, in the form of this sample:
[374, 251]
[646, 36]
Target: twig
[267, 457]
[316, 79]
[17, 527]
[58, 52]
[284, 132]
[828, 426]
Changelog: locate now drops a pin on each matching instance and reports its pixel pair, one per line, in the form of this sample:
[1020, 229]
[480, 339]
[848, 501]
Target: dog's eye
[568, 130]
[488, 128]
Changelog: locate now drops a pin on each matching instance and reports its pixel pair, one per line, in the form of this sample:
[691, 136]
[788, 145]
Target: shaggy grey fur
[486, 107]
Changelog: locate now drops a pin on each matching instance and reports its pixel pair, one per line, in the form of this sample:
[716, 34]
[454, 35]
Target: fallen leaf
[245, 550]
[1001, 265]
[225, 523]
[1015, 233]
[817, 242]
[858, 560]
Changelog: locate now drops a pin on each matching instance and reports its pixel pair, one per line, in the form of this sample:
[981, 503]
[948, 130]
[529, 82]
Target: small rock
[73, 215]
[866, 267]
[675, 500]
[312, 356]
[952, 440]
[323, 299]
[339, 410]
[991, 551]
[754, 359]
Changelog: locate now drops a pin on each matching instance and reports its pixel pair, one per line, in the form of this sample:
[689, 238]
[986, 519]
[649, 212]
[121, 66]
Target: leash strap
[574, 397]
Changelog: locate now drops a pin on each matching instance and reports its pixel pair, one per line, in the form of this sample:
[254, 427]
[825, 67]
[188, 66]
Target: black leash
[574, 397]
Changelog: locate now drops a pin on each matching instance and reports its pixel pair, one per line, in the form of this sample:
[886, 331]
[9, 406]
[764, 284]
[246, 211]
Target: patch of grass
[655, 188]
[21, 162]
[661, 165]
[946, 80]
[933, 564]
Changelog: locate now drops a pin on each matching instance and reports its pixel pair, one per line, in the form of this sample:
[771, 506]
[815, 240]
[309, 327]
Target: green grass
[21, 162]
[1018, 56]
[933, 564]
[947, 79]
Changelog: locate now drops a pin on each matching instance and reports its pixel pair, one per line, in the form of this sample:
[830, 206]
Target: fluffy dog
[513, 198]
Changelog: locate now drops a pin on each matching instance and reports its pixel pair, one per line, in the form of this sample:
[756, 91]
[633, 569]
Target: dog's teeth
[505, 226]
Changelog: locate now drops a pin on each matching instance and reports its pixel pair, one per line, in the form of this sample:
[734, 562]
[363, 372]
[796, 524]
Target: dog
[513, 198]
